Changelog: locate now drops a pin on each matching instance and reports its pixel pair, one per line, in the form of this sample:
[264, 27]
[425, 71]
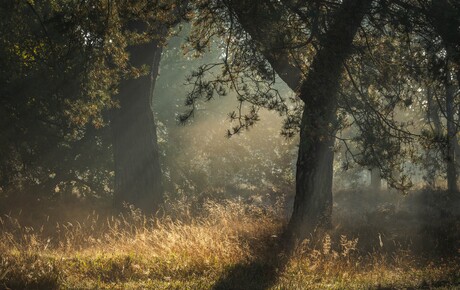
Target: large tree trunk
[313, 200]
[138, 177]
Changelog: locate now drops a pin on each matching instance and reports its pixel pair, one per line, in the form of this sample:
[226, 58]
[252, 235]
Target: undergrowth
[229, 245]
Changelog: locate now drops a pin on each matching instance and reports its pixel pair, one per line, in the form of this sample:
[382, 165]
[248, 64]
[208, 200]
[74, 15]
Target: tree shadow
[262, 272]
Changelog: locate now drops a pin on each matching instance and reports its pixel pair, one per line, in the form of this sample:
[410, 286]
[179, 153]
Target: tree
[440, 20]
[86, 59]
[313, 203]
[445, 18]
[49, 101]
[307, 45]
[138, 177]
[276, 41]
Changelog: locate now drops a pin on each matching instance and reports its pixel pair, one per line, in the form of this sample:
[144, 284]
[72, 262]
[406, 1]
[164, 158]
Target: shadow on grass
[260, 273]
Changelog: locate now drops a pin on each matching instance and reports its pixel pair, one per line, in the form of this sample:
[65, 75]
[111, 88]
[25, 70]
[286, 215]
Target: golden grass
[230, 245]
[131, 246]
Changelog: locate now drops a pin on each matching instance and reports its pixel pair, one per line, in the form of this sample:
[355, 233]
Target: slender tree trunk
[138, 177]
[313, 200]
[445, 19]
[376, 180]
[451, 126]
[433, 118]
[457, 147]
[451, 138]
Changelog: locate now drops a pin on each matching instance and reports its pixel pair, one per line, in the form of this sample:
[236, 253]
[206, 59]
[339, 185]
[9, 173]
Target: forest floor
[378, 241]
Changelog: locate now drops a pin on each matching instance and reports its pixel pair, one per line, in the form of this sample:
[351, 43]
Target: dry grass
[131, 247]
[229, 245]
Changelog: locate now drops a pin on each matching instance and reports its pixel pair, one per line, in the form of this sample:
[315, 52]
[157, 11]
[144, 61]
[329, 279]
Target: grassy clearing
[229, 245]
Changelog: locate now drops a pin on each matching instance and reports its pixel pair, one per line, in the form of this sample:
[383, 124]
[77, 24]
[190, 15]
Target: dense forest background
[311, 135]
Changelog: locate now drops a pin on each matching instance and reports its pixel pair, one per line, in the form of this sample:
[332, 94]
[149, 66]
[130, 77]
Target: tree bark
[313, 200]
[138, 177]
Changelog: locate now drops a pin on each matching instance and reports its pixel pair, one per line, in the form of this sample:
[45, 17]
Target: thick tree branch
[265, 37]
